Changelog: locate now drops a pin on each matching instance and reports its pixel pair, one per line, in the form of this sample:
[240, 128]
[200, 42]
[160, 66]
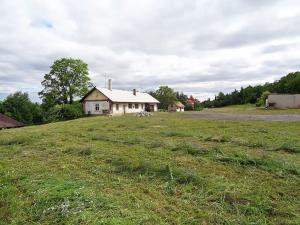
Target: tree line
[289, 84]
[67, 81]
[167, 96]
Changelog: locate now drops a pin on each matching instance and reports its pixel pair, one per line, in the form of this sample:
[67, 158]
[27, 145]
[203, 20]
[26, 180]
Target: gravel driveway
[228, 116]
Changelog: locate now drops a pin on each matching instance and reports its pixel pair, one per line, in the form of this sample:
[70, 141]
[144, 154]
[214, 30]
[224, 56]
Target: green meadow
[164, 169]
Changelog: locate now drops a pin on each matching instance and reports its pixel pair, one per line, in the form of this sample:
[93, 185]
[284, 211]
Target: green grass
[165, 169]
[252, 110]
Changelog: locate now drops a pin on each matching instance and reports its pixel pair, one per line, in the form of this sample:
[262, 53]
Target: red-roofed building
[7, 122]
[176, 107]
[191, 101]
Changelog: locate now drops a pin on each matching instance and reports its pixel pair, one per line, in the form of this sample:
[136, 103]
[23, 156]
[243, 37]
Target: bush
[188, 108]
[65, 112]
[262, 99]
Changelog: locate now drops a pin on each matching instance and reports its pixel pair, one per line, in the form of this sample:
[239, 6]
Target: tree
[182, 98]
[166, 96]
[19, 107]
[262, 99]
[67, 79]
[1, 107]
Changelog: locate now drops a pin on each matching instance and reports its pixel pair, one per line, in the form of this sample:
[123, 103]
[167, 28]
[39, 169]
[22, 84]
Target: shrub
[262, 100]
[65, 112]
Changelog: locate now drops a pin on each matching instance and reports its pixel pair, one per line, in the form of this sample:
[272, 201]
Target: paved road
[228, 116]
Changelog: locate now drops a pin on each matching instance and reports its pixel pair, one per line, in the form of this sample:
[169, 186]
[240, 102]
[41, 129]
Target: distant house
[176, 107]
[283, 101]
[7, 122]
[101, 101]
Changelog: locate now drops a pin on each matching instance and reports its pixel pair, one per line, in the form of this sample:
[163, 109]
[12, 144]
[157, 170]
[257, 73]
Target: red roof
[7, 122]
[191, 98]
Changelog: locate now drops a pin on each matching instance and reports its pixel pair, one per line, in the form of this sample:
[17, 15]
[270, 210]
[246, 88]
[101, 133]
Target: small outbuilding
[282, 101]
[176, 107]
[7, 122]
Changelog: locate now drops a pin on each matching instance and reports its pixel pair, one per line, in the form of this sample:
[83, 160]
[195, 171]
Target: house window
[117, 107]
[97, 107]
[136, 106]
[130, 106]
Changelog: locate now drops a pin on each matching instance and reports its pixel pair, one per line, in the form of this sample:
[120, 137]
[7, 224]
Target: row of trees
[167, 96]
[289, 84]
[19, 107]
[67, 81]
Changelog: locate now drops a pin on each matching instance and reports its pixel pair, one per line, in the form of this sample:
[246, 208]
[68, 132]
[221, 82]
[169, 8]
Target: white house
[101, 101]
[176, 107]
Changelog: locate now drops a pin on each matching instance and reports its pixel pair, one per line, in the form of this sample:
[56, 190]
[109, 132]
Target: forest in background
[289, 84]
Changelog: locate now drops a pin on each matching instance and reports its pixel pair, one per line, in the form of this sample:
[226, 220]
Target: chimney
[134, 91]
[109, 84]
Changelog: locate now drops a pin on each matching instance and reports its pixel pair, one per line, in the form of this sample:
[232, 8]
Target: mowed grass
[165, 169]
[252, 110]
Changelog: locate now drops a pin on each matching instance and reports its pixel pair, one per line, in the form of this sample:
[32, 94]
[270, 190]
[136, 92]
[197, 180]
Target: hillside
[166, 169]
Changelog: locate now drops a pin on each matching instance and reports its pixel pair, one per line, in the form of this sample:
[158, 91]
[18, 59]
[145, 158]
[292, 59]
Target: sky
[200, 47]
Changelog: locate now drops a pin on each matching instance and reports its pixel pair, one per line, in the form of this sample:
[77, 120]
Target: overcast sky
[200, 47]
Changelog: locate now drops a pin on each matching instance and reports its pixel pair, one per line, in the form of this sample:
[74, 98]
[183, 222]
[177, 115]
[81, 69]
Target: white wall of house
[180, 109]
[91, 107]
[174, 108]
[284, 100]
[125, 108]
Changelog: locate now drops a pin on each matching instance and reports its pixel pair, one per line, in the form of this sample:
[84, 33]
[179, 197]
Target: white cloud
[199, 47]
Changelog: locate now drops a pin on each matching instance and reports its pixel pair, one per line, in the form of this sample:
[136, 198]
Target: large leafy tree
[67, 79]
[19, 107]
[166, 96]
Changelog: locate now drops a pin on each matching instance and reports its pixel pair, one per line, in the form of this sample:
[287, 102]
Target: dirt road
[229, 116]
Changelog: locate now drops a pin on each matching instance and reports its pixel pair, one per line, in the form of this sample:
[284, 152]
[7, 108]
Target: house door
[147, 107]
[151, 108]
[124, 109]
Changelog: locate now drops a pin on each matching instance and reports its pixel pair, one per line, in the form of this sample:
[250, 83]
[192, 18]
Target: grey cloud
[189, 45]
[276, 48]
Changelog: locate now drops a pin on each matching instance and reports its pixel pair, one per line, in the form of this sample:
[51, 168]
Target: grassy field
[165, 169]
[252, 110]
